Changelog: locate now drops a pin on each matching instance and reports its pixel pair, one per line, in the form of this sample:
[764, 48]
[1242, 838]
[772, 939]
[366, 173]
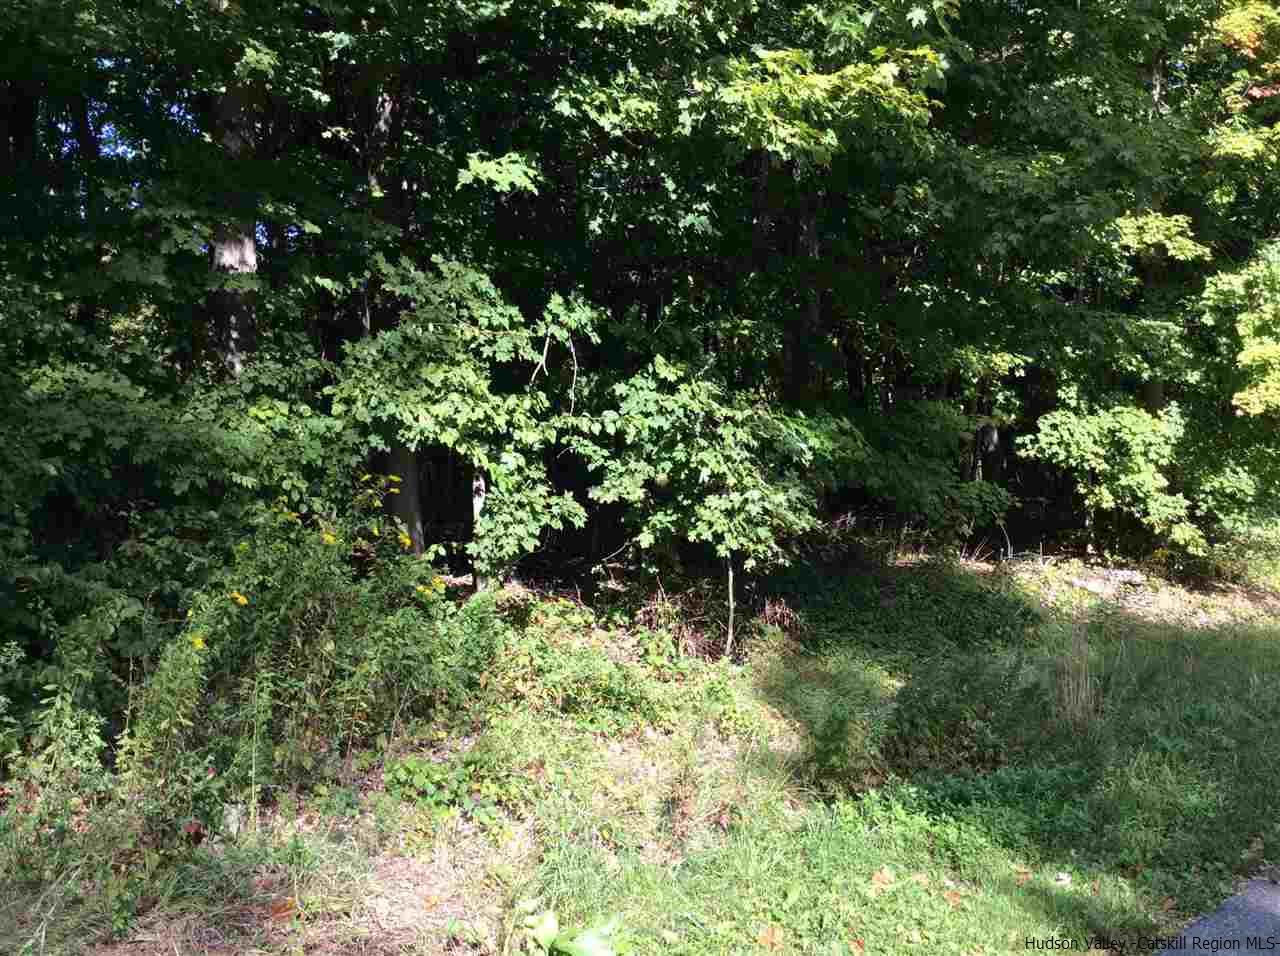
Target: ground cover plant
[819, 794]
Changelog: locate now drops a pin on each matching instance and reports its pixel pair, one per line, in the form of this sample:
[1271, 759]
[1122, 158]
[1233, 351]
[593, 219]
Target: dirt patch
[404, 902]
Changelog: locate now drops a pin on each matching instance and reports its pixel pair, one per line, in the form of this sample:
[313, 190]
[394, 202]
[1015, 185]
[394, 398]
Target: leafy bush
[1020, 807]
[693, 463]
[598, 692]
[913, 467]
[320, 636]
[558, 662]
[1121, 456]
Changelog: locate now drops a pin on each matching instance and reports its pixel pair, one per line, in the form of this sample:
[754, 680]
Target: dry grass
[417, 893]
[1077, 689]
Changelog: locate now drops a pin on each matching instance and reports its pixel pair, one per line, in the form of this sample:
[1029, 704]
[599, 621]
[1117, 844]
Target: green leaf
[591, 942]
[544, 928]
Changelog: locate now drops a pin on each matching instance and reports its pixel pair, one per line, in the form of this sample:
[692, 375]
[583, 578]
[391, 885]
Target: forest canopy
[537, 285]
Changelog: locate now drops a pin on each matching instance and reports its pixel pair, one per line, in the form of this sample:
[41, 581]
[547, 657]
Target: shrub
[321, 636]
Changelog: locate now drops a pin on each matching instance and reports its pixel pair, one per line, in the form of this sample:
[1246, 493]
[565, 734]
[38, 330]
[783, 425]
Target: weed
[466, 786]
[1077, 692]
[886, 778]
[541, 933]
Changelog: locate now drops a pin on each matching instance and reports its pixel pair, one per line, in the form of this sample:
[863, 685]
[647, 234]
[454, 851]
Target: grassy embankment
[930, 756]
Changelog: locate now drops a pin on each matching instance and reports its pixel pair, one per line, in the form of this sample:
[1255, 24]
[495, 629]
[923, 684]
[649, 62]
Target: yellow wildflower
[422, 589]
[406, 542]
[328, 538]
[197, 641]
[437, 583]
[239, 598]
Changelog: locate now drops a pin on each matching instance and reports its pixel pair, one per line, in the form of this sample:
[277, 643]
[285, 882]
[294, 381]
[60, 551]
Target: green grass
[1093, 774]
[936, 758]
[870, 870]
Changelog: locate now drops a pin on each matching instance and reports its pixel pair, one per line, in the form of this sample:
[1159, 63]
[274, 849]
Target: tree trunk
[1153, 395]
[798, 385]
[233, 250]
[855, 366]
[765, 203]
[88, 150]
[389, 205]
[21, 115]
[407, 505]
[479, 491]
[19, 146]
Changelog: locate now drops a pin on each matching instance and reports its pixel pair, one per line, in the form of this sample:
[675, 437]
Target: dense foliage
[307, 303]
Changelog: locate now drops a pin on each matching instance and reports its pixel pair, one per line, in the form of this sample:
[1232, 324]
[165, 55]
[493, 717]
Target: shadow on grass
[1103, 740]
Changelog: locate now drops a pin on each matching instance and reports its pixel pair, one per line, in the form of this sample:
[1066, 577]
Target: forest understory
[908, 752]
[879, 401]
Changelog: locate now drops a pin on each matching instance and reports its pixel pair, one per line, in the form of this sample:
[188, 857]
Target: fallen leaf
[193, 830]
[952, 897]
[284, 908]
[881, 880]
[770, 937]
[858, 945]
[1096, 887]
